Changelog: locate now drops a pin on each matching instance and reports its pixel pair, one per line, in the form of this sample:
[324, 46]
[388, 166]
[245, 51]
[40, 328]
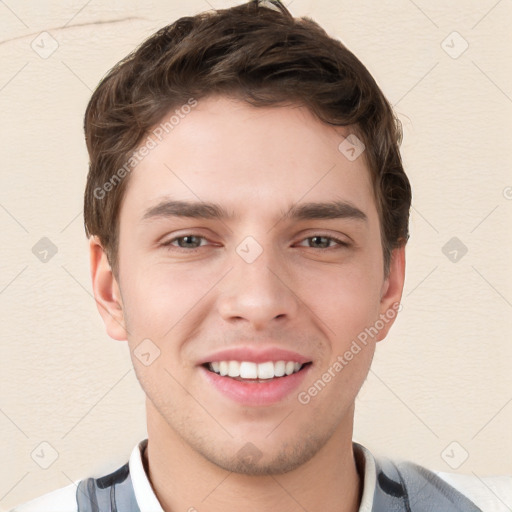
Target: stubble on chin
[251, 461]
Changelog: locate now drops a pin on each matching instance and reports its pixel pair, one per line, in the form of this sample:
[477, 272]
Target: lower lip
[256, 393]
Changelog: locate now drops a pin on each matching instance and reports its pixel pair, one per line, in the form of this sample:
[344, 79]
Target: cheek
[332, 389]
[350, 306]
[158, 297]
[346, 298]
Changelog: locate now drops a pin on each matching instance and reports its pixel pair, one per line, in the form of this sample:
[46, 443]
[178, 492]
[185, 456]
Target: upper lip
[255, 355]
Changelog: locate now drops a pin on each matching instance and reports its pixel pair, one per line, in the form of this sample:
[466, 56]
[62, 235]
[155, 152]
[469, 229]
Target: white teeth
[233, 369]
[266, 370]
[279, 368]
[250, 370]
[223, 368]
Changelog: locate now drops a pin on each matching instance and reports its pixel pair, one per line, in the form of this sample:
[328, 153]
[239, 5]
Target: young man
[248, 212]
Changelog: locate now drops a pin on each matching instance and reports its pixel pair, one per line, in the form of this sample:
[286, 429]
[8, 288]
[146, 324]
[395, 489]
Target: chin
[251, 461]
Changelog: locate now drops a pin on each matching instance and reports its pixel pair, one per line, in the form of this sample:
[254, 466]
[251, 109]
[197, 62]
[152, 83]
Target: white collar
[148, 502]
[366, 464]
[144, 494]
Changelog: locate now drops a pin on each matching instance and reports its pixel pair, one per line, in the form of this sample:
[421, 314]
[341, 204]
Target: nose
[258, 293]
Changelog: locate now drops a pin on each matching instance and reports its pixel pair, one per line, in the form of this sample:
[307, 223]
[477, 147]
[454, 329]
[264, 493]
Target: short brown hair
[257, 52]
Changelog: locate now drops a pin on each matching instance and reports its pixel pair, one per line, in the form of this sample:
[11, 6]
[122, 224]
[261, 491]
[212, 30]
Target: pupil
[187, 239]
[319, 238]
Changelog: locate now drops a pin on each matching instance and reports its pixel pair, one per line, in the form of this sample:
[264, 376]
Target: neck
[184, 480]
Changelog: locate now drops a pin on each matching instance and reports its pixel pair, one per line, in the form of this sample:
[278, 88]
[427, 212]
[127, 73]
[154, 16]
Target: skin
[297, 295]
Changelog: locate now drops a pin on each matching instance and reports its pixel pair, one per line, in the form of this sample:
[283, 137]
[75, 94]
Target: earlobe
[392, 291]
[106, 291]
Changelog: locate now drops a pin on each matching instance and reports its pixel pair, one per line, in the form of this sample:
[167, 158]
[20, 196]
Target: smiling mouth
[248, 371]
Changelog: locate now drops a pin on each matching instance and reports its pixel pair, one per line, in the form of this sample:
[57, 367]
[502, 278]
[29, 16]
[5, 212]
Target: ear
[106, 291]
[391, 292]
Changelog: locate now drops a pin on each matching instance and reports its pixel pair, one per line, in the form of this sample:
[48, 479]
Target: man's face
[259, 286]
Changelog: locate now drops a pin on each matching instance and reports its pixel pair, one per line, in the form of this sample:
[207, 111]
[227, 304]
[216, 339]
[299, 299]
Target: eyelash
[168, 245]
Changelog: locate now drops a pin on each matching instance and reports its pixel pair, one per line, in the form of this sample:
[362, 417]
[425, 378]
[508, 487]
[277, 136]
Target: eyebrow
[207, 210]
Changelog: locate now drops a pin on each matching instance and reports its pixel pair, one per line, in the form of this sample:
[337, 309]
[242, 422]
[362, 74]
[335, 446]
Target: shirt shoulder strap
[110, 493]
[407, 487]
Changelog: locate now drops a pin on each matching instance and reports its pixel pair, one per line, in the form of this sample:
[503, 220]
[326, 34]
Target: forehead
[250, 159]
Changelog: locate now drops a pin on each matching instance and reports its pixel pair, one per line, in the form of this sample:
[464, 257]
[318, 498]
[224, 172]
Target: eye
[189, 241]
[324, 241]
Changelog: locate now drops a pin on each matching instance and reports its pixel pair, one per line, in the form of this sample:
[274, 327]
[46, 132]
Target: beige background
[442, 376]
